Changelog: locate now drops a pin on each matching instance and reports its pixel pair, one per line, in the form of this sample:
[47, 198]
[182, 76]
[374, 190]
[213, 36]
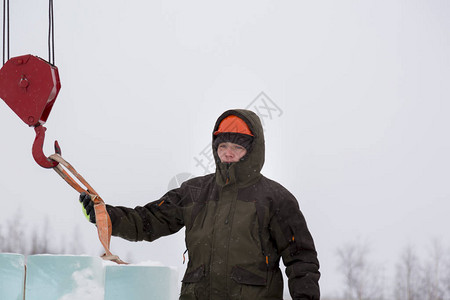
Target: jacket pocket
[243, 276]
[195, 275]
[193, 287]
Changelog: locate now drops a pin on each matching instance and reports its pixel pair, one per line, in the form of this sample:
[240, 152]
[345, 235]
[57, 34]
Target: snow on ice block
[12, 276]
[64, 277]
[135, 282]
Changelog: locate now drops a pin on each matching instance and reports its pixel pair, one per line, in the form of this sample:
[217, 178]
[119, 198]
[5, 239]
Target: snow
[86, 287]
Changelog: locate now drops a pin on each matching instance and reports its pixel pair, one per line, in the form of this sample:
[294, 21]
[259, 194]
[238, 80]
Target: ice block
[140, 282]
[12, 276]
[64, 277]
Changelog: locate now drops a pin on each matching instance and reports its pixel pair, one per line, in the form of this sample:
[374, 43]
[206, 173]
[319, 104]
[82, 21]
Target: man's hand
[88, 207]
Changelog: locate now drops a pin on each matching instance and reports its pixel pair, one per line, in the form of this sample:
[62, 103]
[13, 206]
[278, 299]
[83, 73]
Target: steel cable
[5, 30]
[51, 34]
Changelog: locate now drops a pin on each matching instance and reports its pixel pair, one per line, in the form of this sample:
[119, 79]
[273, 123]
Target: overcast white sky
[359, 133]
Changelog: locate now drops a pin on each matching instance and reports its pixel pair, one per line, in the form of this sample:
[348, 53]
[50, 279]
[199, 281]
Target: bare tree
[362, 280]
[446, 275]
[432, 280]
[2, 239]
[40, 241]
[426, 279]
[13, 233]
[408, 276]
[74, 244]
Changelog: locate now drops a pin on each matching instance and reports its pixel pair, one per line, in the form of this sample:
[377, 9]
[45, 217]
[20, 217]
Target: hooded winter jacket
[238, 226]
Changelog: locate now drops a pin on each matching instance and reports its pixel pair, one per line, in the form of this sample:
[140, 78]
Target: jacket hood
[248, 169]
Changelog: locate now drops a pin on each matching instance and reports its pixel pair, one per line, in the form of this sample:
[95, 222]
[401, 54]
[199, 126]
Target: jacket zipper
[227, 174]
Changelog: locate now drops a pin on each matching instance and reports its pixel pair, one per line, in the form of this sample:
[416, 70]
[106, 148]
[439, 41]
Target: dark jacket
[238, 226]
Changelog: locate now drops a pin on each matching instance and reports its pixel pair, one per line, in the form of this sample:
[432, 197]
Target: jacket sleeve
[296, 246]
[159, 218]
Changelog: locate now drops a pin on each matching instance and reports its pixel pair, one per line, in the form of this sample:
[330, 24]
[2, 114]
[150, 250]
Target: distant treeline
[17, 237]
[416, 277]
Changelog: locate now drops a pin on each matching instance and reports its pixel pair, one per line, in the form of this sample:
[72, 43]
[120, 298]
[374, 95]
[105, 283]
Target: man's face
[229, 152]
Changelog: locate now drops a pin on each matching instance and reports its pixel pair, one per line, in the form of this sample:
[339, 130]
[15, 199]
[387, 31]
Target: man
[238, 223]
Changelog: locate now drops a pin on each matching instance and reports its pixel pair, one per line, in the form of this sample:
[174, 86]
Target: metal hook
[37, 151]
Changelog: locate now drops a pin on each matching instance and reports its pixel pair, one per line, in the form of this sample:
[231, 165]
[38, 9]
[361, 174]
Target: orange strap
[103, 221]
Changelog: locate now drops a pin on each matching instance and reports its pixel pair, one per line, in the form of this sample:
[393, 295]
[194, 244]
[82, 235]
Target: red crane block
[29, 85]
